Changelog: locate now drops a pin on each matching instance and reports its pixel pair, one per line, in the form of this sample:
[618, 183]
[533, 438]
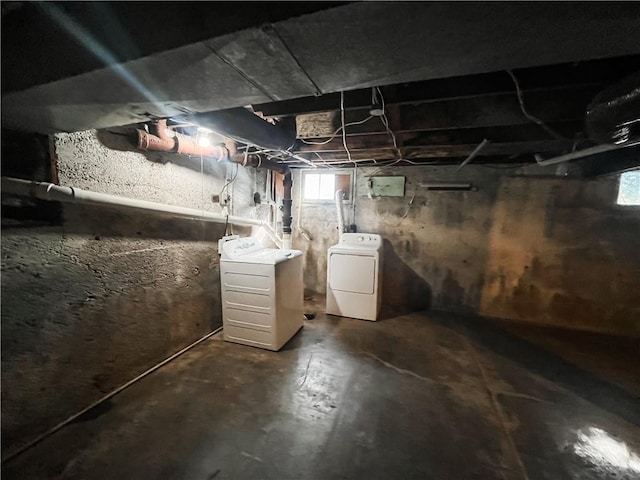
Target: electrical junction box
[392, 186]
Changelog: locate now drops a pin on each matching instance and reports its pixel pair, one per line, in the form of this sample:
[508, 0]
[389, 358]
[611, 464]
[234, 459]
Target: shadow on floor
[583, 383]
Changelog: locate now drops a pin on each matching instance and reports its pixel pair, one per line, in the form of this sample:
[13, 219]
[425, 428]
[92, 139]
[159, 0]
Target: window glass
[629, 188]
[322, 186]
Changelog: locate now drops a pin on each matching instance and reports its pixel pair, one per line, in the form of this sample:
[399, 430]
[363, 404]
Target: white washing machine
[354, 276]
[262, 293]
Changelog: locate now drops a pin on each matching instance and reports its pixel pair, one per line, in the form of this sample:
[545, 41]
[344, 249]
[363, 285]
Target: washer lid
[271, 256]
[250, 250]
[241, 247]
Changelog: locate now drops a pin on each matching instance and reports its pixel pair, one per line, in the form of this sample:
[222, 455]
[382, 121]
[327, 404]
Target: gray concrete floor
[422, 395]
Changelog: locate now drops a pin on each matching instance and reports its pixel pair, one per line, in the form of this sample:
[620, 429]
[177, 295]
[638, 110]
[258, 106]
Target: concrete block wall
[521, 246]
[94, 301]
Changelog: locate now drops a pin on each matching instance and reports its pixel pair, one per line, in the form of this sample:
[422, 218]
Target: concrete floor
[423, 395]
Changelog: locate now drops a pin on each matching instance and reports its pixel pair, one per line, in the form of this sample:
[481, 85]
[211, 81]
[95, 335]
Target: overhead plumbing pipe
[245, 127]
[287, 202]
[160, 140]
[52, 192]
[339, 196]
[586, 152]
[258, 161]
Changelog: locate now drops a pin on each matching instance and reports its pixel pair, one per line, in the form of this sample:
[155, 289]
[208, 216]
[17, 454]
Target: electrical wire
[324, 162]
[406, 212]
[226, 185]
[531, 117]
[385, 122]
[229, 182]
[335, 134]
[344, 130]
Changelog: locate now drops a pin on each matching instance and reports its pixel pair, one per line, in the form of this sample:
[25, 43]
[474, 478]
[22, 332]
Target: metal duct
[613, 116]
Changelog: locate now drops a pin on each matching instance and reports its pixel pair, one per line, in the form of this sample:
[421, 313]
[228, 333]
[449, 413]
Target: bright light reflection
[599, 447]
[96, 48]
[204, 141]
[327, 186]
[319, 186]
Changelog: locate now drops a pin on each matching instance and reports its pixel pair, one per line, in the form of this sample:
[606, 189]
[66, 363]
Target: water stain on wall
[545, 250]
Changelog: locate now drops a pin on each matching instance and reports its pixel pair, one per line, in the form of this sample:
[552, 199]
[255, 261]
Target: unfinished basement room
[320, 240]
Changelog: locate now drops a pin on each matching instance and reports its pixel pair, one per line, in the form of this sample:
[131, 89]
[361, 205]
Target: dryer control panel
[367, 240]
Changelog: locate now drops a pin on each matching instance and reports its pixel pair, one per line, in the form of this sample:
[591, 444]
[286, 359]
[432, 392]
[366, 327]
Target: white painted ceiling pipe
[50, 191]
[582, 153]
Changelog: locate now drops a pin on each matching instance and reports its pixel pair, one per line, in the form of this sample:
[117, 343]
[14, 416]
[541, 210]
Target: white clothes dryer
[354, 276]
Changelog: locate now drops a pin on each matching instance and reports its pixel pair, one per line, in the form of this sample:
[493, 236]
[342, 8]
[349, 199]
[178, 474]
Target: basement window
[629, 188]
[320, 187]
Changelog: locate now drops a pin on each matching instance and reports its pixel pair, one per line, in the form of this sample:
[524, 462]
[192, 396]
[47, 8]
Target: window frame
[334, 171]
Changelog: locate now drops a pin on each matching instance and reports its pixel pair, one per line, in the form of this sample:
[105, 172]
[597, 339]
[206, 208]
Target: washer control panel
[370, 240]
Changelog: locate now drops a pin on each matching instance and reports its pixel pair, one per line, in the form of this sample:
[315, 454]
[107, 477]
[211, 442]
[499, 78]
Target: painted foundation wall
[539, 249]
[95, 300]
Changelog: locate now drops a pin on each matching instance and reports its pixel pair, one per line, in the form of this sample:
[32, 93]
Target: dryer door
[352, 273]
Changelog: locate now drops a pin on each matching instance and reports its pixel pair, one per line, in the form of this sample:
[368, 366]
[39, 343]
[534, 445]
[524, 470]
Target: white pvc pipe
[339, 195]
[286, 241]
[52, 192]
[473, 154]
[582, 153]
[272, 235]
